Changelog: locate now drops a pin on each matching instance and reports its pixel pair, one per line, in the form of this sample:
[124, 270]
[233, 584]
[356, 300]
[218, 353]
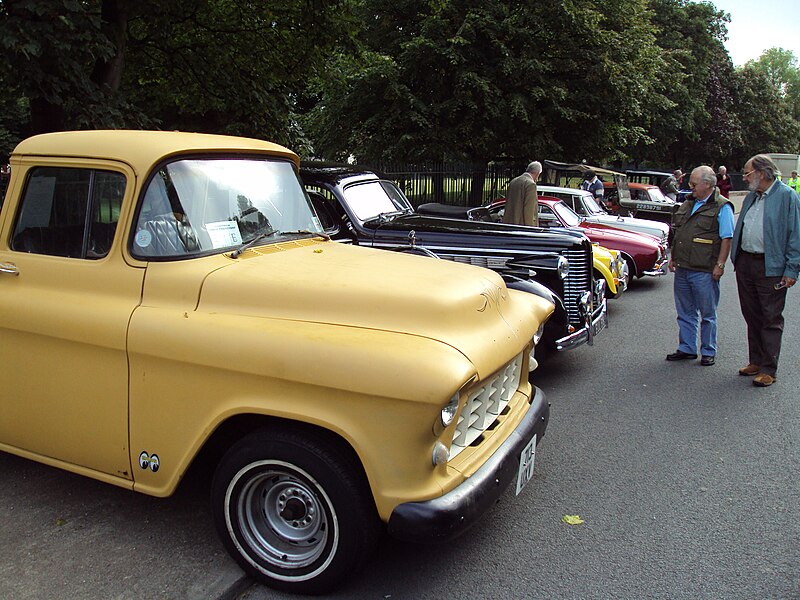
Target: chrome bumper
[622, 283]
[593, 325]
[660, 268]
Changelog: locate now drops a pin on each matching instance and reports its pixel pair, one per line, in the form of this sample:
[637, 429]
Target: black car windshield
[373, 198]
[566, 215]
[201, 206]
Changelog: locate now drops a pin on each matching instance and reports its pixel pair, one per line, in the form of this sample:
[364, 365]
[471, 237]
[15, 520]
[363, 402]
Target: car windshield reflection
[202, 206]
[375, 198]
[656, 195]
[567, 215]
[592, 206]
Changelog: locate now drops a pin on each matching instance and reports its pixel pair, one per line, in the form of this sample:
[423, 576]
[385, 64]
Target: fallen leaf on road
[572, 519]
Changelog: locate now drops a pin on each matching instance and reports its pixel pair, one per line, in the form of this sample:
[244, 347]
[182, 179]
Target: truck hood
[465, 307]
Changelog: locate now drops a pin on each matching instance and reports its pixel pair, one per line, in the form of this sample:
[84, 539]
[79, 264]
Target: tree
[228, 66]
[766, 117]
[691, 120]
[461, 79]
[781, 70]
[50, 47]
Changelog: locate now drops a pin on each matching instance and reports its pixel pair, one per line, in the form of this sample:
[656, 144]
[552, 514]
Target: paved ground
[687, 478]
[68, 537]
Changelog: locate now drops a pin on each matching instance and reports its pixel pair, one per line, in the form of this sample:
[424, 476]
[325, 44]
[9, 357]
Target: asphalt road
[687, 479]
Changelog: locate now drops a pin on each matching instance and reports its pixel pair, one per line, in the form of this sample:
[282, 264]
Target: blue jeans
[696, 300]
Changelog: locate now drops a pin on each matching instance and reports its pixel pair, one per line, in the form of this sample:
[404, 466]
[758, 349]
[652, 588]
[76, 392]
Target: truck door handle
[9, 269]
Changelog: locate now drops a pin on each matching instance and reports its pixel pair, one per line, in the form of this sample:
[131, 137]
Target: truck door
[66, 296]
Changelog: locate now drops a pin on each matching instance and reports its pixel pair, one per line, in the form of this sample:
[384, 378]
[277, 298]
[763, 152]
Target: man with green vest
[794, 182]
[703, 228]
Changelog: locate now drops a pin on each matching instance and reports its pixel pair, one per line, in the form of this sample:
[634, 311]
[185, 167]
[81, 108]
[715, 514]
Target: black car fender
[557, 322]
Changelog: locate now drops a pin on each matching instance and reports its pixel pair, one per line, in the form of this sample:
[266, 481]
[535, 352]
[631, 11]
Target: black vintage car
[356, 206]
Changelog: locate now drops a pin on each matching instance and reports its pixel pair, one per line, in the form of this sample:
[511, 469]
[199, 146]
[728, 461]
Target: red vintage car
[645, 254]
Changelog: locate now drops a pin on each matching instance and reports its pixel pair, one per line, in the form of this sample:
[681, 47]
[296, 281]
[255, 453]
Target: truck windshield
[373, 198]
[201, 206]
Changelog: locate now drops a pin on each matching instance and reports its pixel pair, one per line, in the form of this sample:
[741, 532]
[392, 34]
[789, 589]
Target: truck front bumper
[444, 518]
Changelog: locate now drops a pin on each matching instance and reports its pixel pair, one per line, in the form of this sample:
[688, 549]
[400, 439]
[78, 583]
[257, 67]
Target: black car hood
[426, 227]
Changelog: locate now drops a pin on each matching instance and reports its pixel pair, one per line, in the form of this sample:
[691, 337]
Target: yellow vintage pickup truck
[170, 297]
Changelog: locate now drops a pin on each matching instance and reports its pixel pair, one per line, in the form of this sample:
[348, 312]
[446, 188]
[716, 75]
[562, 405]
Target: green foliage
[459, 79]
[764, 112]
[597, 80]
[228, 66]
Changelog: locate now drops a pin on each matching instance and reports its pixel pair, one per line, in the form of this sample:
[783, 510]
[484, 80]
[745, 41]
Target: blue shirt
[724, 217]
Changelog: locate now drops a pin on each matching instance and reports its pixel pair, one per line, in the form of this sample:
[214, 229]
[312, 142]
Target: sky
[758, 25]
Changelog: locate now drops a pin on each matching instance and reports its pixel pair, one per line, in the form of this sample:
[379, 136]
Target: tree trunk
[108, 73]
[478, 183]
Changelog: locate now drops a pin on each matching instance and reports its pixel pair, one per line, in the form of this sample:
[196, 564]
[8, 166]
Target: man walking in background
[703, 229]
[672, 184]
[766, 256]
[522, 202]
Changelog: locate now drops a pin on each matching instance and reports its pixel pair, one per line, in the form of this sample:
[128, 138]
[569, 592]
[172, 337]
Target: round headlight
[449, 411]
[563, 267]
[440, 454]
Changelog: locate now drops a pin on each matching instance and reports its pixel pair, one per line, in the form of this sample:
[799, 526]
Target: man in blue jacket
[766, 255]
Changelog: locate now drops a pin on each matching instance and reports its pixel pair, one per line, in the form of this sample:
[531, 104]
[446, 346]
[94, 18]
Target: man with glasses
[703, 228]
[766, 256]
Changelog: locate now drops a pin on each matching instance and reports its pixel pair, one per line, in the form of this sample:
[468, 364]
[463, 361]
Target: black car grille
[578, 281]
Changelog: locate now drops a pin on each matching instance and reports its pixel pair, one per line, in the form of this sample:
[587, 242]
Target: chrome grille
[484, 404]
[577, 282]
[489, 262]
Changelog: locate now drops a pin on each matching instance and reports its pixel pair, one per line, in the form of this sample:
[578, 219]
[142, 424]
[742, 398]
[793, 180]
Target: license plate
[599, 325]
[526, 459]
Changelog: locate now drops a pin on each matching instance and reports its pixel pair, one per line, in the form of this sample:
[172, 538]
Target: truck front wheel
[294, 511]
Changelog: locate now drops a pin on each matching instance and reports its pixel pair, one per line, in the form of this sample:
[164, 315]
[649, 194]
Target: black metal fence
[458, 184]
[463, 183]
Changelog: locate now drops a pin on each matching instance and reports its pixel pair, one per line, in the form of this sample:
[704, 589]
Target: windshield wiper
[385, 217]
[238, 252]
[309, 232]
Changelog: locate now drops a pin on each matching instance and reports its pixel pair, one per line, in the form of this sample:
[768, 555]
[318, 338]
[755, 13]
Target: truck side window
[69, 212]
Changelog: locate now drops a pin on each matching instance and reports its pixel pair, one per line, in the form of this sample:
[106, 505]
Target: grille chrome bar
[484, 404]
[577, 282]
[489, 262]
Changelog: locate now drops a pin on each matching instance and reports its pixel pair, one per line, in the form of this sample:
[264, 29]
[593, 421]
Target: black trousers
[762, 309]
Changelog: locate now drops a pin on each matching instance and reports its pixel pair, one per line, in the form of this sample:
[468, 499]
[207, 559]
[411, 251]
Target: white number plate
[599, 326]
[526, 459]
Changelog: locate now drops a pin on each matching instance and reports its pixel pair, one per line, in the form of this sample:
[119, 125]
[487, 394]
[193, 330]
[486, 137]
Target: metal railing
[456, 184]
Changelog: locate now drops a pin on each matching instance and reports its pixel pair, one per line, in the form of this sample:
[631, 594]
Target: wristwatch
[721, 266]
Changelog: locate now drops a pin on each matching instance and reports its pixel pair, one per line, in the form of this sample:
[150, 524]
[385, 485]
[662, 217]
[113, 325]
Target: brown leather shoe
[749, 370]
[764, 380]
